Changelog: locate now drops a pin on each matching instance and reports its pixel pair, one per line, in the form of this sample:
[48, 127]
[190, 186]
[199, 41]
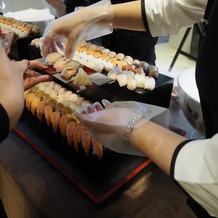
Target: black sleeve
[144, 17]
[4, 123]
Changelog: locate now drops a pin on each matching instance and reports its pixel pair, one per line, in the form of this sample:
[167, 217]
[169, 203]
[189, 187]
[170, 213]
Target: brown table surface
[31, 187]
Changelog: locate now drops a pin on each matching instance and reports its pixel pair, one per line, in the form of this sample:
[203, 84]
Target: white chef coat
[195, 168]
[166, 17]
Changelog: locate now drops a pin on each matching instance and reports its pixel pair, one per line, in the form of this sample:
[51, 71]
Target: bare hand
[32, 78]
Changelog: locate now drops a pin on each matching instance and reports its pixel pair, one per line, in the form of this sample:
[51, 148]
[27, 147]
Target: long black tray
[97, 179]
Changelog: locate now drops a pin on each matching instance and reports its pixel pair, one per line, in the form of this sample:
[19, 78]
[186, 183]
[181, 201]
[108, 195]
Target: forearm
[157, 143]
[11, 88]
[128, 16]
[11, 98]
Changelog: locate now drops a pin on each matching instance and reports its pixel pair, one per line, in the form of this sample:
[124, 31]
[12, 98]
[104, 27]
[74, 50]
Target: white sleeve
[195, 168]
[165, 17]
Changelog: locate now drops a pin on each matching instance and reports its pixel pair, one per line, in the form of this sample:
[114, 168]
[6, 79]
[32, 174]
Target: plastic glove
[112, 125]
[84, 24]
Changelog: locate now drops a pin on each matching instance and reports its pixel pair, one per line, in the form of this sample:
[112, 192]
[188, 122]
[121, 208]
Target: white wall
[17, 5]
[175, 40]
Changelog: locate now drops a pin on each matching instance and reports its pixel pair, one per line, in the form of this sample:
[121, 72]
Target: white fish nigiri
[112, 74]
[121, 79]
[149, 83]
[140, 80]
[131, 83]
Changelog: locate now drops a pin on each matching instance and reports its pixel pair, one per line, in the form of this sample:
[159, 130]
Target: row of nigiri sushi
[131, 79]
[99, 57]
[68, 69]
[52, 104]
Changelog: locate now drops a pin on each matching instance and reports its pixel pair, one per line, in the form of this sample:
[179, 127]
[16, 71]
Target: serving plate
[31, 15]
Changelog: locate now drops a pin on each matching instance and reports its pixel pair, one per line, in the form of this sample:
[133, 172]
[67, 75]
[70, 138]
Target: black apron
[207, 71]
[206, 79]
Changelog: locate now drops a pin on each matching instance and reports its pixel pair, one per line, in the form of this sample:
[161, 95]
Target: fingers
[21, 65]
[86, 119]
[29, 82]
[36, 64]
[88, 108]
[97, 106]
[45, 46]
[70, 46]
[105, 103]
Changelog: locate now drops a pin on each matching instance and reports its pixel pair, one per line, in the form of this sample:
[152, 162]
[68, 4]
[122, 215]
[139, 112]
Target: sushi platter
[49, 126]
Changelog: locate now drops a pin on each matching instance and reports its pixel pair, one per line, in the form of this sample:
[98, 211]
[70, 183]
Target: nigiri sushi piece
[108, 66]
[51, 58]
[131, 83]
[149, 83]
[59, 64]
[121, 79]
[112, 74]
[140, 80]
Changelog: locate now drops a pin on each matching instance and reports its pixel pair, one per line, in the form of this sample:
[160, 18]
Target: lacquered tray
[98, 180]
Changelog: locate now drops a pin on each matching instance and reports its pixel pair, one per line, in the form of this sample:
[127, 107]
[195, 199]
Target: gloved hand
[112, 125]
[85, 24]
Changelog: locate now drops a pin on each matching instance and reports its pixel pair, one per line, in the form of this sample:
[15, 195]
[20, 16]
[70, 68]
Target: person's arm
[56, 7]
[157, 142]
[129, 128]
[15, 77]
[131, 12]
[160, 17]
[192, 163]
[11, 87]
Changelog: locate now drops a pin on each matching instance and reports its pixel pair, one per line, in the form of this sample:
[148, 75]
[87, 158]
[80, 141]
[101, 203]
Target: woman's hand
[113, 124]
[32, 78]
